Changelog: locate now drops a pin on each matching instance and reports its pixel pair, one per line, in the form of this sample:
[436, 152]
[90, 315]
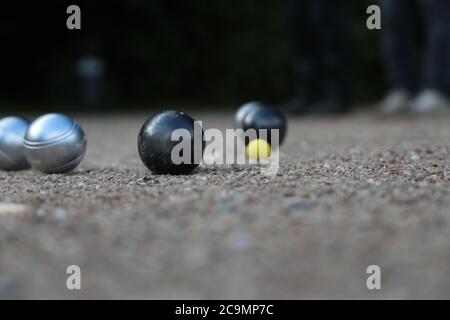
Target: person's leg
[437, 45]
[435, 83]
[330, 21]
[400, 54]
[399, 43]
[308, 68]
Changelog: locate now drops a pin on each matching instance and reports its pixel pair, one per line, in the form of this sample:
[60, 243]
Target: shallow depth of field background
[198, 53]
[351, 192]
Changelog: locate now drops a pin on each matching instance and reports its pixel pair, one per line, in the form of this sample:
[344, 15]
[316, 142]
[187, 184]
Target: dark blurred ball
[243, 111]
[264, 117]
[155, 142]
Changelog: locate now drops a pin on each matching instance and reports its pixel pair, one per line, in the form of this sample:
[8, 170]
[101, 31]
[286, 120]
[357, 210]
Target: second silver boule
[12, 151]
[55, 143]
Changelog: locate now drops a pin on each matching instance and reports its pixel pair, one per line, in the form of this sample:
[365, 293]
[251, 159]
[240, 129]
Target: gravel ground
[350, 193]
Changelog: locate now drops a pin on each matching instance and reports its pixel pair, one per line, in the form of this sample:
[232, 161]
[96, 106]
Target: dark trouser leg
[399, 43]
[308, 66]
[330, 21]
[437, 64]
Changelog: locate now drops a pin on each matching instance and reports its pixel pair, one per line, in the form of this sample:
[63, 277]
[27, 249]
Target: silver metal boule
[55, 143]
[12, 151]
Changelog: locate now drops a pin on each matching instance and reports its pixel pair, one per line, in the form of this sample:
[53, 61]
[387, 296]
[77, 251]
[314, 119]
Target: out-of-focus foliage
[199, 52]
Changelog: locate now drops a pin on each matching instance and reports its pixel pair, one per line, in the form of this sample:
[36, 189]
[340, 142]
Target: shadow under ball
[155, 142]
[55, 143]
[266, 118]
[242, 113]
[12, 151]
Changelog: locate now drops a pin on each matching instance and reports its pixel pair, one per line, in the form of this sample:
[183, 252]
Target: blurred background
[142, 53]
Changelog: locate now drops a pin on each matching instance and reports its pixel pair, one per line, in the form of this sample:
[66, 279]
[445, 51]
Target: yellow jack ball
[258, 149]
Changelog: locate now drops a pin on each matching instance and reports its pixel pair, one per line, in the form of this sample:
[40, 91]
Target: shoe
[430, 101]
[397, 101]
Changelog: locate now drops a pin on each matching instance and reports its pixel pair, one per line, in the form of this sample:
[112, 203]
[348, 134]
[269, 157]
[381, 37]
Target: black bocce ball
[242, 112]
[266, 118]
[155, 142]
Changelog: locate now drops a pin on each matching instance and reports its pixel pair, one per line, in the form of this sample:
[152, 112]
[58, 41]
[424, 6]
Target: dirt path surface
[350, 193]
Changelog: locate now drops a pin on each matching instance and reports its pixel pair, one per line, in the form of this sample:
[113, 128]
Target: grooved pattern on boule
[55, 143]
